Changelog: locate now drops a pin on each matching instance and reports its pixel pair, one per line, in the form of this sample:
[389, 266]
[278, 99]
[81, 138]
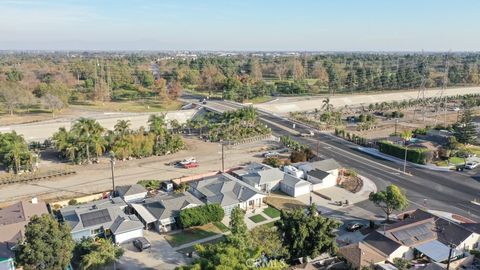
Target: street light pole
[223, 158]
[396, 123]
[405, 161]
[112, 165]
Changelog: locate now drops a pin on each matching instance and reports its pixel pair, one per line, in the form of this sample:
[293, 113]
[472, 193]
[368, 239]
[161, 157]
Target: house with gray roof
[294, 186]
[131, 193]
[162, 211]
[327, 165]
[228, 191]
[260, 176]
[102, 218]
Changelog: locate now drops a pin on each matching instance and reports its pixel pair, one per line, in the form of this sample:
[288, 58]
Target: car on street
[471, 165]
[307, 134]
[270, 154]
[353, 226]
[187, 161]
[141, 243]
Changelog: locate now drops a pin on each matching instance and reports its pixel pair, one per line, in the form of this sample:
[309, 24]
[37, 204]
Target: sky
[243, 25]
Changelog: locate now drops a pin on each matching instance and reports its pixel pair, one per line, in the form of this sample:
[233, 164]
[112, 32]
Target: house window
[96, 231]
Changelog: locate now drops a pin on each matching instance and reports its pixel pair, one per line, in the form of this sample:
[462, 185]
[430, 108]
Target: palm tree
[326, 105]
[122, 127]
[406, 135]
[14, 151]
[88, 132]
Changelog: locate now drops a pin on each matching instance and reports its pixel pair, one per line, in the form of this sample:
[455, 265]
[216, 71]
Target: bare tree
[53, 103]
[13, 96]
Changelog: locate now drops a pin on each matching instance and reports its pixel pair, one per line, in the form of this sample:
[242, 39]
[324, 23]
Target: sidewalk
[375, 152]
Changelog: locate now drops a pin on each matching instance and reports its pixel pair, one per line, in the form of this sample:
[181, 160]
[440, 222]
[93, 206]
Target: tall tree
[465, 130]
[93, 254]
[307, 234]
[47, 245]
[389, 200]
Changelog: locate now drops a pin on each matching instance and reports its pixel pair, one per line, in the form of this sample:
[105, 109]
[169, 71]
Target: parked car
[471, 165]
[187, 161]
[354, 226]
[190, 165]
[270, 154]
[141, 243]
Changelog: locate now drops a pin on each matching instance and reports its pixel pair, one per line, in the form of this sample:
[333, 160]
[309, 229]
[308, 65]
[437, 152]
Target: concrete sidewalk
[200, 241]
[375, 152]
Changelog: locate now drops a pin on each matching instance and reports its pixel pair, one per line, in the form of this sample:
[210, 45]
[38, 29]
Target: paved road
[447, 191]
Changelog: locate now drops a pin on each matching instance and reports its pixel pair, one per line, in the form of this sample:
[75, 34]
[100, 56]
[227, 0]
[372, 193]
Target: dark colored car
[141, 243]
[354, 226]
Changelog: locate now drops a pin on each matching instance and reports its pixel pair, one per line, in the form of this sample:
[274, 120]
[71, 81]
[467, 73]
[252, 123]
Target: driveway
[160, 256]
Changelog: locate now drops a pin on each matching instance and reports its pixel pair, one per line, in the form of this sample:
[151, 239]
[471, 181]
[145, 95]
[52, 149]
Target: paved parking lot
[160, 256]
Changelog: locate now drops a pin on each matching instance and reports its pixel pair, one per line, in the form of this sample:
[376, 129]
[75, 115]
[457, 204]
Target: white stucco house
[294, 186]
[321, 179]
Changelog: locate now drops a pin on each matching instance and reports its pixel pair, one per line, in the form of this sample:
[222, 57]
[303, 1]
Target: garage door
[124, 237]
[302, 190]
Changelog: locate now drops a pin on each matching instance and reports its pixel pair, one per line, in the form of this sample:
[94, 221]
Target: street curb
[476, 203]
[375, 152]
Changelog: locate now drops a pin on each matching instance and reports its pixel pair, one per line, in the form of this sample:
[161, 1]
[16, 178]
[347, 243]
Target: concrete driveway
[160, 256]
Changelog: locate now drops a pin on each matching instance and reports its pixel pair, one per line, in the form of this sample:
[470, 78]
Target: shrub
[273, 161]
[415, 155]
[296, 156]
[201, 215]
[72, 202]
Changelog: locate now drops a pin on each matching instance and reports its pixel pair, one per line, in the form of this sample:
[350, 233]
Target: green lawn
[457, 160]
[257, 100]
[222, 227]
[257, 218]
[192, 234]
[269, 224]
[271, 212]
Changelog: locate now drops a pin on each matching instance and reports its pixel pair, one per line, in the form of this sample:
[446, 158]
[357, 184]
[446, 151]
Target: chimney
[34, 200]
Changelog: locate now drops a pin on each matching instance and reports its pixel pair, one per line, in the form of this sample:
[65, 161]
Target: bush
[296, 156]
[415, 155]
[201, 215]
[72, 202]
[273, 161]
[150, 184]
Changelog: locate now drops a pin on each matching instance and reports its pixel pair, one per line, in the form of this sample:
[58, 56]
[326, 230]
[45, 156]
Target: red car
[190, 165]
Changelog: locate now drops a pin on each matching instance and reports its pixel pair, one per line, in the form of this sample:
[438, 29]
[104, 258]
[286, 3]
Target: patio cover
[144, 213]
[436, 251]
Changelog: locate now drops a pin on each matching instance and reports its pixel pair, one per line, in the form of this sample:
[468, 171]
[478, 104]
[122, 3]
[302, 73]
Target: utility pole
[223, 157]
[396, 123]
[112, 165]
[449, 255]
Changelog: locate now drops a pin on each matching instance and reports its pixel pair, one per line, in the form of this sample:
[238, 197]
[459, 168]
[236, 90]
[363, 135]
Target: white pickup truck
[307, 134]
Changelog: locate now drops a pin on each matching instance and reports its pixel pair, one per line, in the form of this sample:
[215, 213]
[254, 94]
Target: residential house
[327, 165]
[131, 193]
[360, 255]
[421, 234]
[294, 186]
[321, 179]
[260, 176]
[227, 191]
[13, 220]
[104, 217]
[162, 211]
[293, 171]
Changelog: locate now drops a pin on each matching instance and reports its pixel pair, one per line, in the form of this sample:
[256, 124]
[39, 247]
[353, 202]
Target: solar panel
[95, 218]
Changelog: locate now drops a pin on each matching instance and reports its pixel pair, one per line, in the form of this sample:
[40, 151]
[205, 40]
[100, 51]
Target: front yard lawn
[257, 218]
[285, 203]
[271, 212]
[457, 160]
[192, 234]
[222, 227]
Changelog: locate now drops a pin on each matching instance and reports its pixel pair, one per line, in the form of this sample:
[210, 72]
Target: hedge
[201, 215]
[415, 155]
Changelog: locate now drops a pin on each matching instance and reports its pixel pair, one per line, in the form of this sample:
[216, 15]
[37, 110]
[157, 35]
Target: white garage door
[124, 237]
[302, 190]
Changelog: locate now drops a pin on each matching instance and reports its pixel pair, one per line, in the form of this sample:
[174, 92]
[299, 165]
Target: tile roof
[223, 189]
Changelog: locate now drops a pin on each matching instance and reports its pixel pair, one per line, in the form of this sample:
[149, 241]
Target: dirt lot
[97, 177]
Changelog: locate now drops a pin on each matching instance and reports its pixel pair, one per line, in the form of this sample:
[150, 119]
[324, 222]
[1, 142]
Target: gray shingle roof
[318, 174]
[292, 181]
[257, 173]
[223, 189]
[324, 165]
[125, 224]
[168, 206]
[101, 213]
[128, 190]
[382, 243]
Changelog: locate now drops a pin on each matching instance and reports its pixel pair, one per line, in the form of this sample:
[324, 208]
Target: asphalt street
[446, 191]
